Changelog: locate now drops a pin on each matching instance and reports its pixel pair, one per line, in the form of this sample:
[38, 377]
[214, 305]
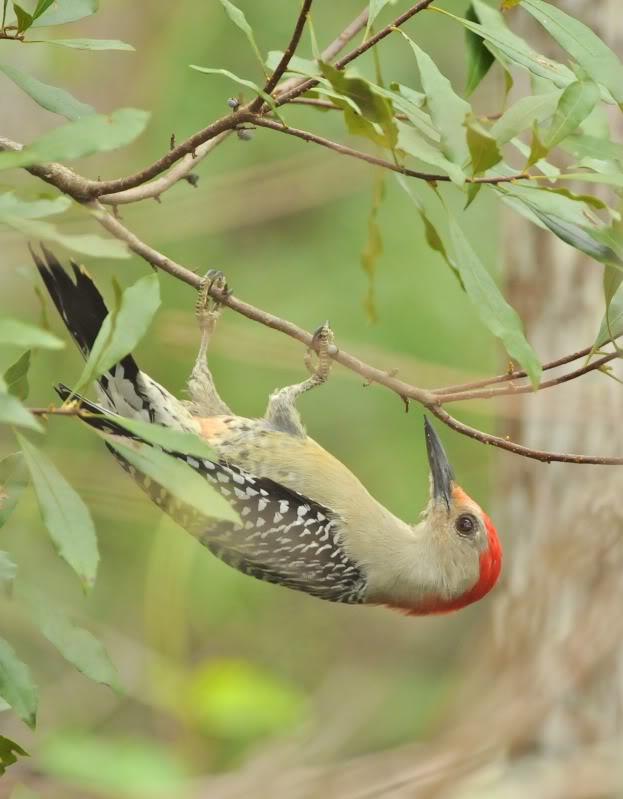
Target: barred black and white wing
[283, 537]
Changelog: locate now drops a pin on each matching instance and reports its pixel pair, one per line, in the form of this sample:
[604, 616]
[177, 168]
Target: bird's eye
[466, 524]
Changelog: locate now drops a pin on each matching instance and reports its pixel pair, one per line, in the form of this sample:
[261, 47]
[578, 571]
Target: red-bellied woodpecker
[306, 522]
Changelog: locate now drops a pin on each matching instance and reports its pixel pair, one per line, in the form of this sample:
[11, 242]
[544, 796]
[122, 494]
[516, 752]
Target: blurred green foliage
[213, 663]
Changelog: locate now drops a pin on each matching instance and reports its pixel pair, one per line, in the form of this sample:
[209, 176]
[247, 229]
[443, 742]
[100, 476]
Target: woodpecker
[305, 521]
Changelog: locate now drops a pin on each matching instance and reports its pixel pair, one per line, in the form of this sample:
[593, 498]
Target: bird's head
[461, 552]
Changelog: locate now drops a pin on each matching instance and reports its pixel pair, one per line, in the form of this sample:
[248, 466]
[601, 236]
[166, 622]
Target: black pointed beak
[440, 469]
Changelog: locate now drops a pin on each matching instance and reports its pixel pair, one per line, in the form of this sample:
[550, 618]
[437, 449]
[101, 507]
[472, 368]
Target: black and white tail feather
[124, 388]
[283, 537]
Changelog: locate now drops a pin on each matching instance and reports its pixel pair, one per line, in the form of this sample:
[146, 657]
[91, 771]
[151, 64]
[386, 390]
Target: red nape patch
[490, 568]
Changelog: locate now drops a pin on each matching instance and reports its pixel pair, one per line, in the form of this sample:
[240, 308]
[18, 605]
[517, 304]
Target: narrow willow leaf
[53, 99]
[13, 480]
[590, 52]
[374, 246]
[78, 646]
[585, 146]
[16, 377]
[86, 136]
[8, 569]
[177, 477]
[24, 19]
[483, 148]
[66, 11]
[523, 114]
[165, 437]
[16, 685]
[538, 150]
[121, 331]
[575, 104]
[243, 82]
[239, 19]
[498, 316]
[12, 412]
[479, 57]
[86, 44]
[374, 9]
[303, 66]
[64, 514]
[371, 104]
[612, 281]
[518, 51]
[32, 209]
[9, 752]
[41, 7]
[21, 334]
[448, 111]
[411, 142]
[83, 243]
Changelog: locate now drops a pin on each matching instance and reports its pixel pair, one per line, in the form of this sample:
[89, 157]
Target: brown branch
[285, 58]
[514, 375]
[271, 124]
[364, 47]
[488, 393]
[518, 449]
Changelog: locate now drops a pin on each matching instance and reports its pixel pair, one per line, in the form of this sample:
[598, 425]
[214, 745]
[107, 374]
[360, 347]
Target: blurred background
[218, 670]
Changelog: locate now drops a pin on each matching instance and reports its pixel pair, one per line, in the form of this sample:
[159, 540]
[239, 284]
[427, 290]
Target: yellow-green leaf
[16, 685]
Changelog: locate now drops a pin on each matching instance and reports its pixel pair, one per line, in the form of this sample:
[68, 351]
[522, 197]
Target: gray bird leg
[204, 398]
[281, 413]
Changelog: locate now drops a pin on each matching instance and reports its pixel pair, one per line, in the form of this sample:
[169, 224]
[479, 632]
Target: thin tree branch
[157, 187]
[271, 124]
[518, 449]
[488, 393]
[364, 47]
[513, 375]
[285, 58]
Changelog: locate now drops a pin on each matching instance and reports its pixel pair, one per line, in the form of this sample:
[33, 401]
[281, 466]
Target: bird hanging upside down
[306, 522]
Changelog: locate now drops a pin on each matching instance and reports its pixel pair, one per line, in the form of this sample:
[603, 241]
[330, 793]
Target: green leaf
[32, 209]
[64, 514]
[498, 316]
[243, 82]
[165, 437]
[86, 136]
[373, 106]
[24, 19]
[64, 11]
[411, 142]
[538, 151]
[575, 104]
[12, 412]
[21, 334]
[483, 148]
[239, 19]
[585, 146]
[177, 477]
[53, 99]
[374, 246]
[13, 480]
[86, 44]
[16, 377]
[9, 752]
[8, 570]
[84, 243]
[447, 109]
[41, 7]
[523, 114]
[374, 9]
[78, 646]
[121, 767]
[304, 66]
[518, 51]
[123, 328]
[590, 52]
[16, 685]
[479, 57]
